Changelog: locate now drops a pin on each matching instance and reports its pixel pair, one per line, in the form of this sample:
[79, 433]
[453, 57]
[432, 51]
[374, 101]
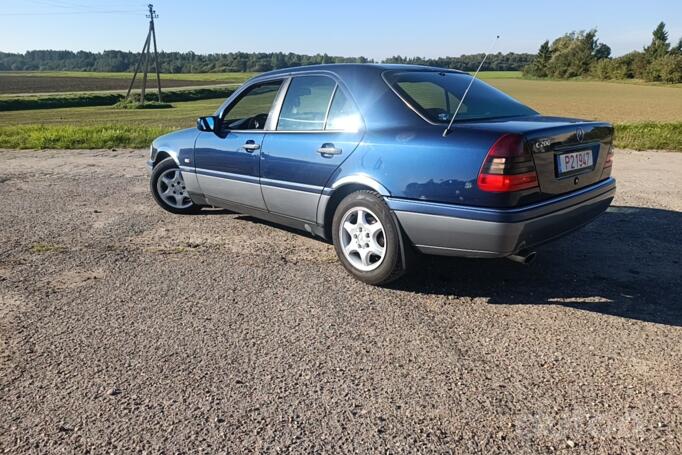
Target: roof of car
[354, 67]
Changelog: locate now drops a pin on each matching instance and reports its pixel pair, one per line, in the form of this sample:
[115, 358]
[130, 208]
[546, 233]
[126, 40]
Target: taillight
[507, 167]
[609, 158]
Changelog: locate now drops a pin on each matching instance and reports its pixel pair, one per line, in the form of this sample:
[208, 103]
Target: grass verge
[649, 136]
[78, 137]
[636, 136]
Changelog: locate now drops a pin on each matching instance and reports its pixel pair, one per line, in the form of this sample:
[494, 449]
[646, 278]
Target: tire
[358, 243]
[166, 176]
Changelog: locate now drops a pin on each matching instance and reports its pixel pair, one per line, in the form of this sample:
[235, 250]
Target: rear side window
[436, 95]
[343, 115]
[306, 103]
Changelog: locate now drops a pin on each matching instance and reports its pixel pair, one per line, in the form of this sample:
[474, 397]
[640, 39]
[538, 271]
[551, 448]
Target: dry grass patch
[41, 248]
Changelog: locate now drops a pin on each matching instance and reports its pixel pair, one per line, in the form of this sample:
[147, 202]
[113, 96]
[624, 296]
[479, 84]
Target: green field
[647, 116]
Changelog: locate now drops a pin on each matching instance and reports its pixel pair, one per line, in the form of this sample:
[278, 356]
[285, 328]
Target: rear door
[318, 127]
[228, 166]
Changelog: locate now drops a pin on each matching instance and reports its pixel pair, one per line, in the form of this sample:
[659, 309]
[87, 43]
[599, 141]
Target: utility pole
[144, 58]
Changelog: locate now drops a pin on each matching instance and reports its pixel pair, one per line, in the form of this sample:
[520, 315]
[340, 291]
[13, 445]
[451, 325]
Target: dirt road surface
[124, 328]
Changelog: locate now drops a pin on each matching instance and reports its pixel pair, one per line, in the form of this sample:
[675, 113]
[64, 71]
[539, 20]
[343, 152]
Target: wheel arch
[340, 189]
[165, 152]
[160, 156]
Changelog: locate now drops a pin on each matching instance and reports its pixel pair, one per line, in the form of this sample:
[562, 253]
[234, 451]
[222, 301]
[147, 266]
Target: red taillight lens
[609, 158]
[508, 167]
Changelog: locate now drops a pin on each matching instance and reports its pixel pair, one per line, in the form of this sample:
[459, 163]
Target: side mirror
[208, 124]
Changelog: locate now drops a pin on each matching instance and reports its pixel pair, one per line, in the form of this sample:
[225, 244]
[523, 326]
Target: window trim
[273, 115]
[279, 111]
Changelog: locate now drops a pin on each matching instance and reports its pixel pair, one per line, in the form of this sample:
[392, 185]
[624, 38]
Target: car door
[228, 164]
[318, 127]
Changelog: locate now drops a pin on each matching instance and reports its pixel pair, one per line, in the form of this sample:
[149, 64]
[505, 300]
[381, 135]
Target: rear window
[436, 95]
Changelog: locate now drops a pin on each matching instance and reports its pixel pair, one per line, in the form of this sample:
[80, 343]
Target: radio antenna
[471, 82]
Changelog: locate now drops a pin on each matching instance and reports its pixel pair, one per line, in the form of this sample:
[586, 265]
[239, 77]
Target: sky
[373, 29]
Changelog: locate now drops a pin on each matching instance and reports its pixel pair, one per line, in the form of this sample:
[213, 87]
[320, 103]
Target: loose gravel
[127, 329]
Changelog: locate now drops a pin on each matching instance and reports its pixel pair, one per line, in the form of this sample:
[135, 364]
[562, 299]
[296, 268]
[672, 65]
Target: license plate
[569, 162]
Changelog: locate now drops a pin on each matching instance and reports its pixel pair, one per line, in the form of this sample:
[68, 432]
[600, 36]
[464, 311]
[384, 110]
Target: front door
[228, 165]
[318, 128]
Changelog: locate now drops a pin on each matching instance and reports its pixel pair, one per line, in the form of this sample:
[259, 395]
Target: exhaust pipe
[525, 257]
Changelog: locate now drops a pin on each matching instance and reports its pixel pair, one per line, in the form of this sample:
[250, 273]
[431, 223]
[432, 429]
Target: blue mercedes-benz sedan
[384, 160]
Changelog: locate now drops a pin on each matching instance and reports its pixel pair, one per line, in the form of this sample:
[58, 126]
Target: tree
[602, 51]
[678, 48]
[538, 67]
[660, 46]
[573, 54]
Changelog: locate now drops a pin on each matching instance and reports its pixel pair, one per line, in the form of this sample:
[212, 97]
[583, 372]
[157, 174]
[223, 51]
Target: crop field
[36, 82]
[32, 83]
[212, 77]
[647, 116]
[610, 101]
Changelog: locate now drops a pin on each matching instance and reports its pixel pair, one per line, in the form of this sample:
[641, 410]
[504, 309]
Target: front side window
[251, 110]
[305, 104]
[436, 96]
[343, 115]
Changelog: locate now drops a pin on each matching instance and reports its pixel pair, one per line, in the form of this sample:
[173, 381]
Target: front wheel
[367, 240]
[168, 188]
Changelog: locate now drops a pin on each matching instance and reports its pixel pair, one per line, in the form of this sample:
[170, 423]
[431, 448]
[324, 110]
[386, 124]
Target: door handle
[250, 146]
[328, 150]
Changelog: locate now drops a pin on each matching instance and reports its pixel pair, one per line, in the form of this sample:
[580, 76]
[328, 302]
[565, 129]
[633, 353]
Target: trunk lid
[569, 156]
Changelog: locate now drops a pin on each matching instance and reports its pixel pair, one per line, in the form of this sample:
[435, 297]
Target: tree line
[169, 62]
[580, 54]
[495, 62]
[190, 62]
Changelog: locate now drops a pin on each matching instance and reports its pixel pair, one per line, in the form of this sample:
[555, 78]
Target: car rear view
[539, 179]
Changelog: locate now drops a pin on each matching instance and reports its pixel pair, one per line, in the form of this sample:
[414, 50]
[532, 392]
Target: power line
[145, 57]
[68, 13]
[65, 7]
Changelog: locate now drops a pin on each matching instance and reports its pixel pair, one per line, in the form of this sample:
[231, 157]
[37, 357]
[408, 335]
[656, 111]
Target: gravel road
[127, 329]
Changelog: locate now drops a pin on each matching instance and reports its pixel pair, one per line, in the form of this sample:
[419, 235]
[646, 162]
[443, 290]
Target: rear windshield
[435, 95]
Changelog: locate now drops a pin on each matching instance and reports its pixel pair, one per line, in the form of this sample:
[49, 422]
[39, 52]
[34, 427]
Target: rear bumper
[452, 230]
[150, 166]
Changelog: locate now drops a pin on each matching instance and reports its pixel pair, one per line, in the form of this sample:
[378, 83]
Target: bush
[609, 69]
[666, 69]
[134, 103]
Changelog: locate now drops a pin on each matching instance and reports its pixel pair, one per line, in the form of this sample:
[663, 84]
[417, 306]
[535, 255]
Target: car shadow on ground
[626, 264]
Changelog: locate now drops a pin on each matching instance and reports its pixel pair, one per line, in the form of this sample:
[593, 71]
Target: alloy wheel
[363, 240]
[171, 188]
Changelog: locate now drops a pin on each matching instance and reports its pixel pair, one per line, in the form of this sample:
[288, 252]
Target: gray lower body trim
[295, 223]
[450, 236]
[191, 182]
[292, 203]
[322, 208]
[244, 193]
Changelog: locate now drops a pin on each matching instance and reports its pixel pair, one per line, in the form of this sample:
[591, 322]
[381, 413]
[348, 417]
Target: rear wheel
[367, 240]
[168, 188]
